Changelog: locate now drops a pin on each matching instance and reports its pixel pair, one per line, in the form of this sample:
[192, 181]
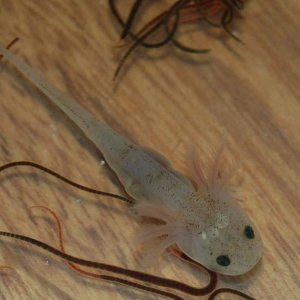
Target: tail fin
[69, 106]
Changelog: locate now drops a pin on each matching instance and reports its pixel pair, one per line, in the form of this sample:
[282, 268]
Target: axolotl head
[219, 234]
[206, 223]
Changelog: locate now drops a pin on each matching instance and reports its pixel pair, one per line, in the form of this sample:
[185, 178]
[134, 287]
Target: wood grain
[164, 100]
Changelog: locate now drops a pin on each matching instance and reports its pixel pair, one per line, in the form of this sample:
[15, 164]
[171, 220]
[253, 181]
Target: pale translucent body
[205, 222]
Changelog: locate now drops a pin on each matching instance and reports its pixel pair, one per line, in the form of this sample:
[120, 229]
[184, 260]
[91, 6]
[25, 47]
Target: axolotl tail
[102, 135]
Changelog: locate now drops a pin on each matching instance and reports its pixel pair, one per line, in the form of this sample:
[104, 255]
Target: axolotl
[204, 221]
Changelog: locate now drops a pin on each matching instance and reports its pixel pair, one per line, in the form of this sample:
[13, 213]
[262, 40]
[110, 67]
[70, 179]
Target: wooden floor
[164, 99]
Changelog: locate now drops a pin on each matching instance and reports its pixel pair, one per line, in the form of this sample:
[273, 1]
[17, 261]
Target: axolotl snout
[204, 221]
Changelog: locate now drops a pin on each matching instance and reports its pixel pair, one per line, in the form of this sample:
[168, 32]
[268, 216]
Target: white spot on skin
[102, 162]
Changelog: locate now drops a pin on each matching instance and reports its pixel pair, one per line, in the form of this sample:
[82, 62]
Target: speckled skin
[204, 223]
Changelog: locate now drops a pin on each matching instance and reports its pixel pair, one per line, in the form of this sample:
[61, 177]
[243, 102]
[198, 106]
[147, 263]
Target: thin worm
[204, 9]
[64, 179]
[95, 275]
[169, 36]
[183, 47]
[15, 40]
[131, 17]
[199, 6]
[126, 26]
[173, 10]
[61, 243]
[230, 291]
[102, 276]
[144, 277]
[227, 19]
[135, 36]
[153, 21]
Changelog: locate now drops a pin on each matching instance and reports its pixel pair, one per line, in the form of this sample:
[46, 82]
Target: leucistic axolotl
[204, 221]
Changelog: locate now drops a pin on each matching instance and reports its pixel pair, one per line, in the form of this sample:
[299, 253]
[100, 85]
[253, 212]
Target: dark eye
[249, 232]
[223, 260]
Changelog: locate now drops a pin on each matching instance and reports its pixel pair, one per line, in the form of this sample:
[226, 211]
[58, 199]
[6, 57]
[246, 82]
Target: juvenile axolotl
[204, 221]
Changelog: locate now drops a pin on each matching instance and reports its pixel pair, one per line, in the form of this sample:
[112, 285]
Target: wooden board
[166, 100]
